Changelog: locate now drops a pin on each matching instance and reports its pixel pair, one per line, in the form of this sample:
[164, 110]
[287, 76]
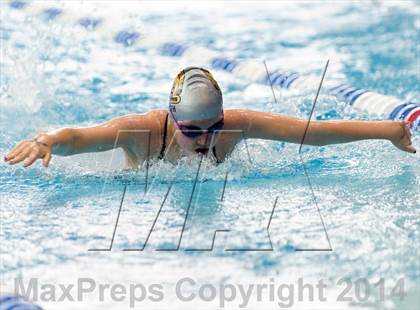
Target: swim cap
[195, 95]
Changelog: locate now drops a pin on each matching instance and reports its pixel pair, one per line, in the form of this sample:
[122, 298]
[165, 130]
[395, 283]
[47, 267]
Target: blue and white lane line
[114, 28]
[10, 302]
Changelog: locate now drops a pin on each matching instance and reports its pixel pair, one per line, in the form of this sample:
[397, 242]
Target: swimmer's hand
[30, 151]
[401, 137]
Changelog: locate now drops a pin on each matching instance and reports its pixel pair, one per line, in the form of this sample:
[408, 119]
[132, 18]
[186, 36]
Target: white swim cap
[195, 95]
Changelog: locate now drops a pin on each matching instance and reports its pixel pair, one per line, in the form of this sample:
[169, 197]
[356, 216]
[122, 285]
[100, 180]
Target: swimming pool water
[55, 75]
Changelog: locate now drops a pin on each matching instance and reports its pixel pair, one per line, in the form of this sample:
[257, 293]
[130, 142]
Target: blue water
[55, 75]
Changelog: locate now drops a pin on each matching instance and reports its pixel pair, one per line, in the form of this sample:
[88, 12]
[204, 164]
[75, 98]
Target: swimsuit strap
[214, 154]
[162, 150]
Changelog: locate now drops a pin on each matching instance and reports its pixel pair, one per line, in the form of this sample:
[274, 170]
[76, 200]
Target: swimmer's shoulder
[144, 128]
[237, 118]
[150, 120]
[159, 114]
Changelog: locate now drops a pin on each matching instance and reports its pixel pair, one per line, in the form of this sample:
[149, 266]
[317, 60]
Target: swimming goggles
[195, 131]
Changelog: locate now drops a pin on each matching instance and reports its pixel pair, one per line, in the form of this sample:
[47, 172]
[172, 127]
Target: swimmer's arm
[111, 134]
[262, 125]
[117, 132]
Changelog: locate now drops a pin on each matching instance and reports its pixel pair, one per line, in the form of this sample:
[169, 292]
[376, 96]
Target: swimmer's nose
[203, 140]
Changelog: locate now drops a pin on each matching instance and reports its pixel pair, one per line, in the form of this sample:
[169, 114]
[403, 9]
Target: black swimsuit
[162, 150]
[165, 132]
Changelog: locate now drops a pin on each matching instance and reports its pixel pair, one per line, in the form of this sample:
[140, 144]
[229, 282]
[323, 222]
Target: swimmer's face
[187, 134]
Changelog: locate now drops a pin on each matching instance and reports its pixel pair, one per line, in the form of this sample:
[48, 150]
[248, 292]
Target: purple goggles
[195, 131]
